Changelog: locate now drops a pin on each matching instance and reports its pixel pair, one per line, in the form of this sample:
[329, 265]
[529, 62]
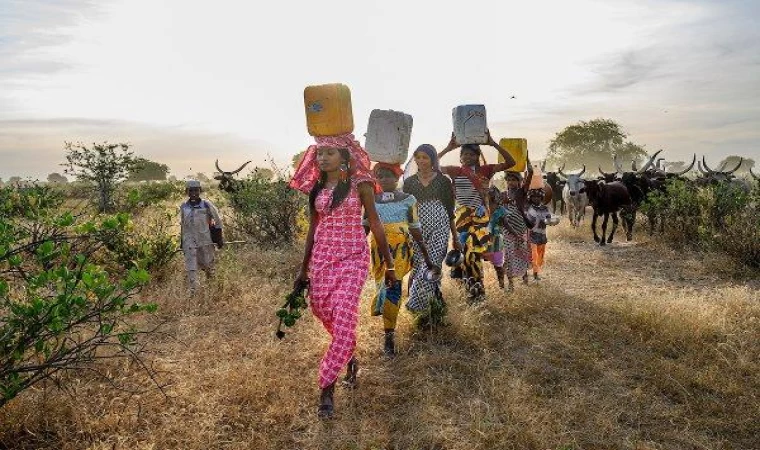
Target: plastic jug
[328, 109]
[518, 150]
[470, 124]
[388, 135]
[537, 181]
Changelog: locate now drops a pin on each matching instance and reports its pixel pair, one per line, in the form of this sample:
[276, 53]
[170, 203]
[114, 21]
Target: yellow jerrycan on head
[518, 150]
[328, 109]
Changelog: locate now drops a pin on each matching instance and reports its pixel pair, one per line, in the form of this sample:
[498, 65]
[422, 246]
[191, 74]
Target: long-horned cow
[227, 181]
[710, 176]
[574, 195]
[557, 185]
[607, 199]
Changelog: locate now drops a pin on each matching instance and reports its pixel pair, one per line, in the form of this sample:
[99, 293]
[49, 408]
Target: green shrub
[267, 210]
[59, 310]
[148, 245]
[134, 198]
[721, 217]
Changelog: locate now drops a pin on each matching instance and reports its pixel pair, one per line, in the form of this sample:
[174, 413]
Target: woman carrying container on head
[335, 173]
[471, 181]
[435, 206]
[398, 213]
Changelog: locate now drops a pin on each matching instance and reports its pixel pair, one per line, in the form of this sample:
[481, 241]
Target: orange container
[518, 150]
[328, 109]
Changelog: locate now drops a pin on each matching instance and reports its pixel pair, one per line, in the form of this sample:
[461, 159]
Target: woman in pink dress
[335, 173]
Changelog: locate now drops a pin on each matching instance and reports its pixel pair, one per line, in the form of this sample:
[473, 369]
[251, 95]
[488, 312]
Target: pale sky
[187, 81]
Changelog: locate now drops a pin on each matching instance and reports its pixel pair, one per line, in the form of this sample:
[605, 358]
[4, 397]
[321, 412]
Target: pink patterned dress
[338, 269]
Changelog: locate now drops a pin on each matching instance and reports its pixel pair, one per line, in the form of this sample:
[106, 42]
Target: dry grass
[627, 347]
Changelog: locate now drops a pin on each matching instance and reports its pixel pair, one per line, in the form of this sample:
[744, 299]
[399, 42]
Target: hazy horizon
[189, 82]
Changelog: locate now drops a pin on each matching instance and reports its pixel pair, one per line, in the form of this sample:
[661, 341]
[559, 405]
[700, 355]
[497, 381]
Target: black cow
[558, 185]
[609, 198]
[227, 181]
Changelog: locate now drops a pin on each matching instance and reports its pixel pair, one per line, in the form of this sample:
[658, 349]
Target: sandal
[326, 406]
[352, 372]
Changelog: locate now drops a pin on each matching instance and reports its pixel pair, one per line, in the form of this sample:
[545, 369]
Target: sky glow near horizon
[187, 82]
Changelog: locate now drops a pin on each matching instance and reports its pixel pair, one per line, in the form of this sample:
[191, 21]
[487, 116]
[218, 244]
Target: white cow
[574, 195]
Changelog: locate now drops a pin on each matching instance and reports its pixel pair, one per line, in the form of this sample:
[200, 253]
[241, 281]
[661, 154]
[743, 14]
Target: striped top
[465, 192]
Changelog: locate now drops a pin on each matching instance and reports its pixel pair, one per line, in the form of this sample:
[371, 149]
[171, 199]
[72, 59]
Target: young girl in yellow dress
[398, 213]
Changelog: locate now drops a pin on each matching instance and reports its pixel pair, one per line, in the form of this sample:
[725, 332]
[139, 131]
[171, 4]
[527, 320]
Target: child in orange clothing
[538, 216]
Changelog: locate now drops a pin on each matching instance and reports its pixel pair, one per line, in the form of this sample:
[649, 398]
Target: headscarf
[307, 174]
[432, 154]
[393, 168]
[429, 150]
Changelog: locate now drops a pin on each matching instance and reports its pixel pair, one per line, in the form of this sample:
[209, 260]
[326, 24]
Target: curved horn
[722, 167]
[757, 177]
[707, 168]
[701, 169]
[650, 162]
[684, 172]
[605, 174]
[741, 160]
[216, 163]
[633, 165]
[618, 167]
[543, 165]
[582, 171]
[240, 168]
[560, 170]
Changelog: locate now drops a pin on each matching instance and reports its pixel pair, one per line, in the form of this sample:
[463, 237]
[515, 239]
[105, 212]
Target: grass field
[632, 346]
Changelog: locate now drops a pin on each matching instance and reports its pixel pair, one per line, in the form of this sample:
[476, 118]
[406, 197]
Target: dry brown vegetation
[632, 346]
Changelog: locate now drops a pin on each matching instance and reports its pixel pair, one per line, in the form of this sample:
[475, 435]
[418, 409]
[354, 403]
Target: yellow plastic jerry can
[518, 150]
[328, 109]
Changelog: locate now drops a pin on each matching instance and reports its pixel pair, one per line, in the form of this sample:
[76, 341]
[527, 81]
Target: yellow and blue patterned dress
[398, 213]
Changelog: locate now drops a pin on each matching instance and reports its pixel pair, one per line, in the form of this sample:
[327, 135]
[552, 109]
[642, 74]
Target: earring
[344, 172]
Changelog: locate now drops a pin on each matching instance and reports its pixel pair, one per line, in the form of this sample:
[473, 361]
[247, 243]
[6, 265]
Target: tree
[202, 177]
[730, 162]
[593, 143]
[675, 166]
[56, 177]
[146, 170]
[103, 165]
[14, 180]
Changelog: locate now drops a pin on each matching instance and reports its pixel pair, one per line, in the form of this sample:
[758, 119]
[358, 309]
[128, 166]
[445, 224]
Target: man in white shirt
[197, 216]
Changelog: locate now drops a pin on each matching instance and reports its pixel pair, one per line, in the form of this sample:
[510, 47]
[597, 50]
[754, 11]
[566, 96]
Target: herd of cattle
[625, 191]
[608, 194]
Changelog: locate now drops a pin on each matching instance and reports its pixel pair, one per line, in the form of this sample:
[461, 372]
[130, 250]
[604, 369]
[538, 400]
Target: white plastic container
[470, 124]
[388, 135]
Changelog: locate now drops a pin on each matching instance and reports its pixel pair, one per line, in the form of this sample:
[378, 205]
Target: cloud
[35, 148]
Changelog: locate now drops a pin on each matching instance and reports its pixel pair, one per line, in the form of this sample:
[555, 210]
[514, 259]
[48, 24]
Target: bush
[59, 310]
[721, 217]
[149, 245]
[267, 210]
[136, 197]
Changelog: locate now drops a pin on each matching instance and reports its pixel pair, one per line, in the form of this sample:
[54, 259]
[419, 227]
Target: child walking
[538, 216]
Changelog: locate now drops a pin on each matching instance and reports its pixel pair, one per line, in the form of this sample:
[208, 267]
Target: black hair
[341, 190]
[472, 147]
[384, 170]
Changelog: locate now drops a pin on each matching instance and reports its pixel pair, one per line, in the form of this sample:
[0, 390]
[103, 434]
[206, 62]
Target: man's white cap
[193, 184]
